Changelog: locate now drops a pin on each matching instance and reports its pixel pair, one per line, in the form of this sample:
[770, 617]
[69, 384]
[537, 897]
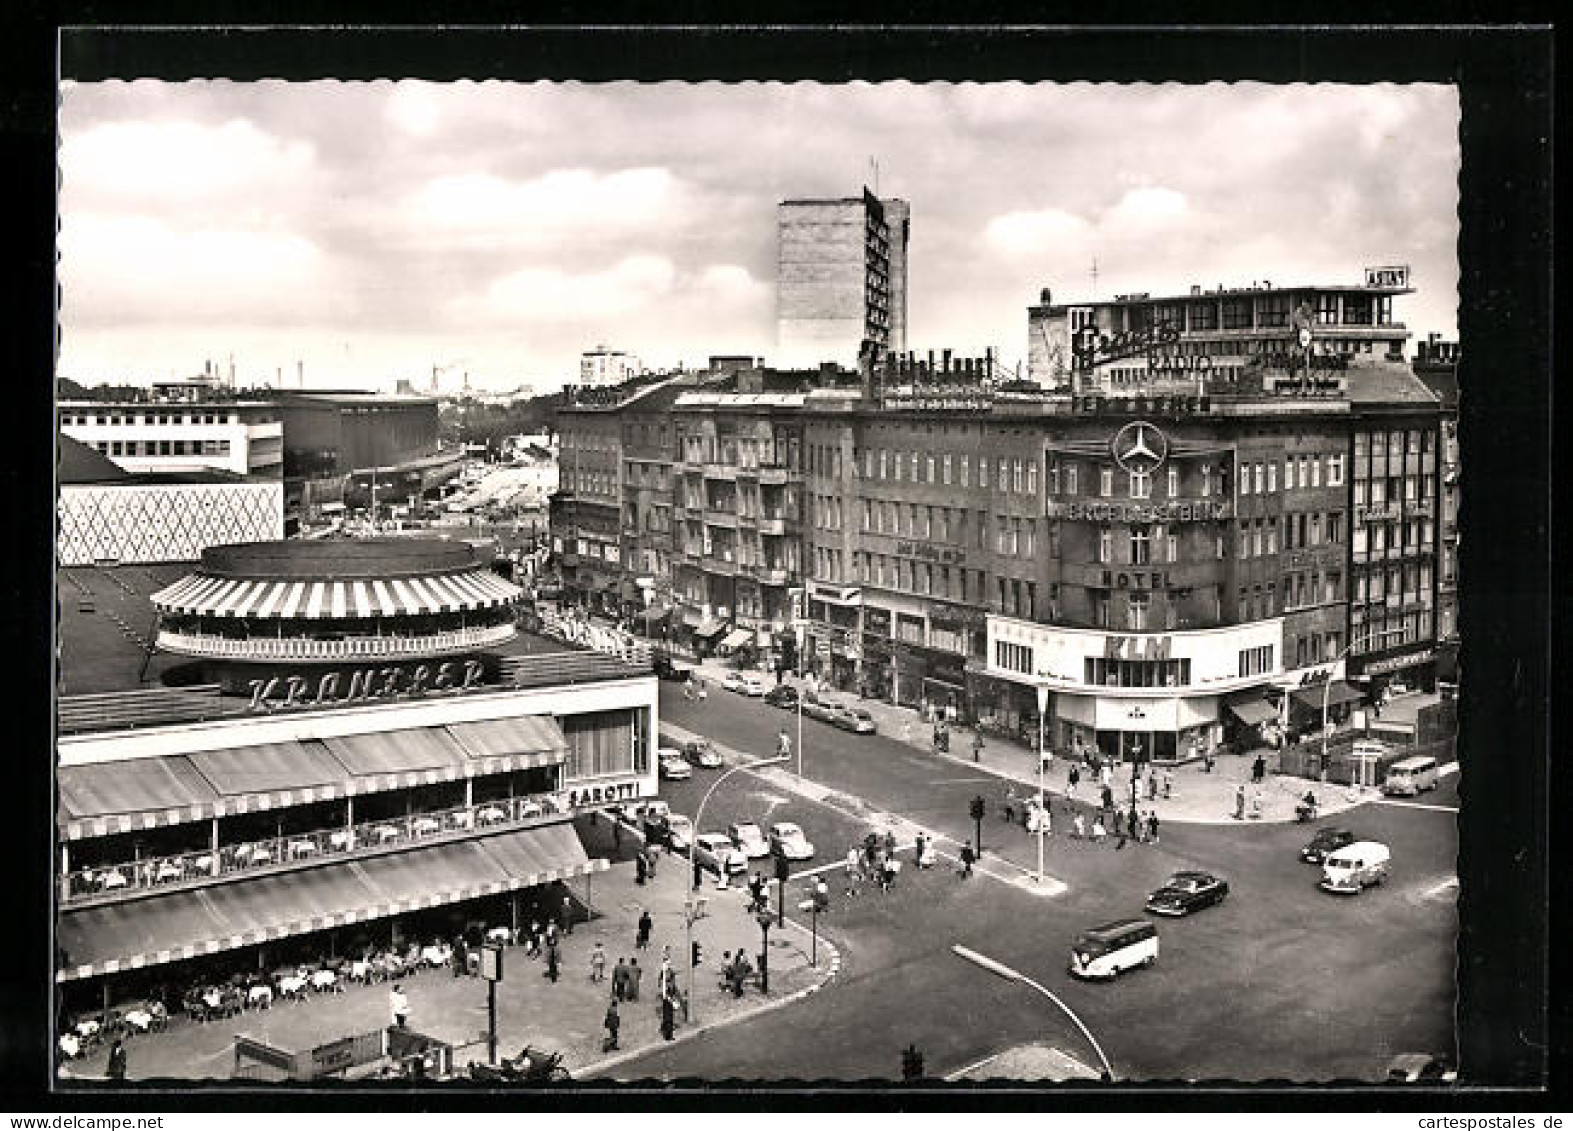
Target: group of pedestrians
[873, 860]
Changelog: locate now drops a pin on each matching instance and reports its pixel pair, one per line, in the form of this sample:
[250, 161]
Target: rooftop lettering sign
[365, 685]
[1178, 510]
[1090, 348]
[1392, 276]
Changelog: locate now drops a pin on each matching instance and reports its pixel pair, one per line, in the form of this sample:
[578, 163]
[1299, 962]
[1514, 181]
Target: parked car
[1328, 838]
[753, 686]
[816, 708]
[733, 681]
[715, 852]
[672, 767]
[749, 840]
[854, 719]
[1185, 892]
[1418, 1068]
[679, 833]
[699, 752]
[787, 840]
[784, 696]
[656, 818]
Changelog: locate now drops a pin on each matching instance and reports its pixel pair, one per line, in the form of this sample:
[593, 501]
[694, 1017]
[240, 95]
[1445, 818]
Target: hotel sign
[932, 553]
[1197, 510]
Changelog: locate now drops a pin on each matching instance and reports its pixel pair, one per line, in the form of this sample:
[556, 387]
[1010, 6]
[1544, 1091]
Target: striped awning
[274, 775]
[503, 745]
[169, 928]
[142, 793]
[737, 637]
[199, 595]
[394, 759]
[1253, 712]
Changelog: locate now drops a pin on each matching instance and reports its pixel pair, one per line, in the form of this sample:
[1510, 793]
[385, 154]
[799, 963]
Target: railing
[355, 647]
[299, 848]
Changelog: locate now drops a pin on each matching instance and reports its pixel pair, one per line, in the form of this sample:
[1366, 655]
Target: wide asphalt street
[1279, 982]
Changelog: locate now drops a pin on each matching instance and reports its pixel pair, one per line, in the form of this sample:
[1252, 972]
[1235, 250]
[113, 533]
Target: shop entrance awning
[149, 932]
[736, 638]
[1253, 712]
[1338, 693]
[709, 627]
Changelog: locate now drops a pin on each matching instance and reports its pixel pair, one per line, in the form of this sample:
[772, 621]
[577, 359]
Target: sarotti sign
[590, 796]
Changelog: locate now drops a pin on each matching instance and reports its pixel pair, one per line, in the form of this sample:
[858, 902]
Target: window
[1140, 485]
[1207, 480]
[1316, 471]
[1327, 310]
[1335, 471]
[929, 468]
[1335, 528]
[1259, 479]
[1203, 316]
[1105, 546]
[1100, 608]
[965, 476]
[983, 473]
[1031, 548]
[1106, 481]
[1220, 545]
[1016, 478]
[1357, 310]
[1256, 539]
[1054, 477]
[882, 464]
[1004, 476]
[1070, 479]
[1172, 482]
[1242, 541]
[1272, 476]
[1245, 479]
[1141, 546]
[1272, 536]
[915, 466]
[868, 514]
[1032, 477]
[1172, 544]
[898, 462]
[1236, 314]
[945, 469]
[1272, 310]
[1136, 607]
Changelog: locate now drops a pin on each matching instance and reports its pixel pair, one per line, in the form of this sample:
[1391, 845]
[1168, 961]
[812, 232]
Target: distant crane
[438, 370]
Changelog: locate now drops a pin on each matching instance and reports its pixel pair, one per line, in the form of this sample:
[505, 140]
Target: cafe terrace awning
[1340, 692]
[737, 637]
[1253, 712]
[709, 627]
[114, 797]
[168, 928]
[200, 595]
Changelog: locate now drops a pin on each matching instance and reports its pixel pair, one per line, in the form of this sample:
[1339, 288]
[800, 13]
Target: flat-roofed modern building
[841, 278]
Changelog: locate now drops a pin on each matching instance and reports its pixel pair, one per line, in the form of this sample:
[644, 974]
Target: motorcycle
[1305, 811]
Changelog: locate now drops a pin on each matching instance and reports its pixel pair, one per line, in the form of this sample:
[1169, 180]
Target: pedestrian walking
[535, 938]
[698, 874]
[1258, 770]
[650, 855]
[620, 980]
[612, 1022]
[1108, 799]
[640, 869]
[1098, 831]
[460, 957]
[598, 963]
[551, 962]
[783, 744]
[967, 857]
[398, 1006]
[1105, 775]
[887, 877]
[1168, 784]
[890, 844]
[1239, 802]
[617, 834]
[977, 745]
[1152, 825]
[116, 1069]
[1152, 786]
[1078, 826]
[1133, 824]
[1072, 780]
[551, 935]
[668, 1016]
[635, 974]
[642, 939]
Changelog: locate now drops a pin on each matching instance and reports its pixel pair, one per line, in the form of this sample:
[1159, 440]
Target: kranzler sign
[364, 684]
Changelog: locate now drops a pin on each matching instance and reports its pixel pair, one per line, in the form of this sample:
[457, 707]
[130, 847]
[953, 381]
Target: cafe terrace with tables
[328, 750]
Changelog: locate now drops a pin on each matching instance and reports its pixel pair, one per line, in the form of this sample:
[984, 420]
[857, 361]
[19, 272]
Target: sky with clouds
[374, 230]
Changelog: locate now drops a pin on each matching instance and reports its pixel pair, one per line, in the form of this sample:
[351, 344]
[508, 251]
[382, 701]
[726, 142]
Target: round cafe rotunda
[336, 602]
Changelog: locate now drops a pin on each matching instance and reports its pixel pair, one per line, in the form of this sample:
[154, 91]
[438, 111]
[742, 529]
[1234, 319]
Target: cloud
[414, 108]
[134, 267]
[551, 295]
[133, 164]
[1032, 233]
[553, 205]
[1146, 208]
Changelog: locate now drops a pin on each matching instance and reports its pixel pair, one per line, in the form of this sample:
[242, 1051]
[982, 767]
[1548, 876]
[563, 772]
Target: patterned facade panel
[163, 522]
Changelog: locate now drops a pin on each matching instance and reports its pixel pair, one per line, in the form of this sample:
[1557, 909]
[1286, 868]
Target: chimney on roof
[300, 374]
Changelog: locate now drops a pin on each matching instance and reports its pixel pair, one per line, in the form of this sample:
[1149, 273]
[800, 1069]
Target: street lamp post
[1043, 709]
[1001, 970]
[1327, 684]
[764, 952]
[690, 907]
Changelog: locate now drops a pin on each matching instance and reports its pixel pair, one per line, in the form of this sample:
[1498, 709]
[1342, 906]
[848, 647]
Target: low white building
[239, 437]
[604, 366]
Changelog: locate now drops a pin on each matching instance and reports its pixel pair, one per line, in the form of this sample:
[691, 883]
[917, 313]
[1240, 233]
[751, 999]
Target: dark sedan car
[1328, 838]
[784, 696]
[1185, 892]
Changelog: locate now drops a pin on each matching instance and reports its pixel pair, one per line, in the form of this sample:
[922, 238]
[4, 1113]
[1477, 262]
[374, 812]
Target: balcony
[777, 475]
[103, 883]
[775, 525]
[725, 519]
[352, 649]
[722, 561]
[724, 471]
[769, 575]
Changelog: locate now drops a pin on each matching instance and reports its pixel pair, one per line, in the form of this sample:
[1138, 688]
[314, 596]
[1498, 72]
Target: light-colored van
[1411, 777]
[1107, 951]
[1355, 867]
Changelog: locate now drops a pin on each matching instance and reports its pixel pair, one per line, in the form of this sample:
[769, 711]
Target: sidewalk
[565, 1017]
[1198, 797]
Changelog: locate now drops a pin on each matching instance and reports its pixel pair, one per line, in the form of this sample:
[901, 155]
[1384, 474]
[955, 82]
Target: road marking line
[1441, 887]
[1418, 805]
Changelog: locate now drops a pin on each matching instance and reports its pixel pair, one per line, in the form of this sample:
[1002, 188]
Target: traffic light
[977, 808]
[698, 953]
[783, 868]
